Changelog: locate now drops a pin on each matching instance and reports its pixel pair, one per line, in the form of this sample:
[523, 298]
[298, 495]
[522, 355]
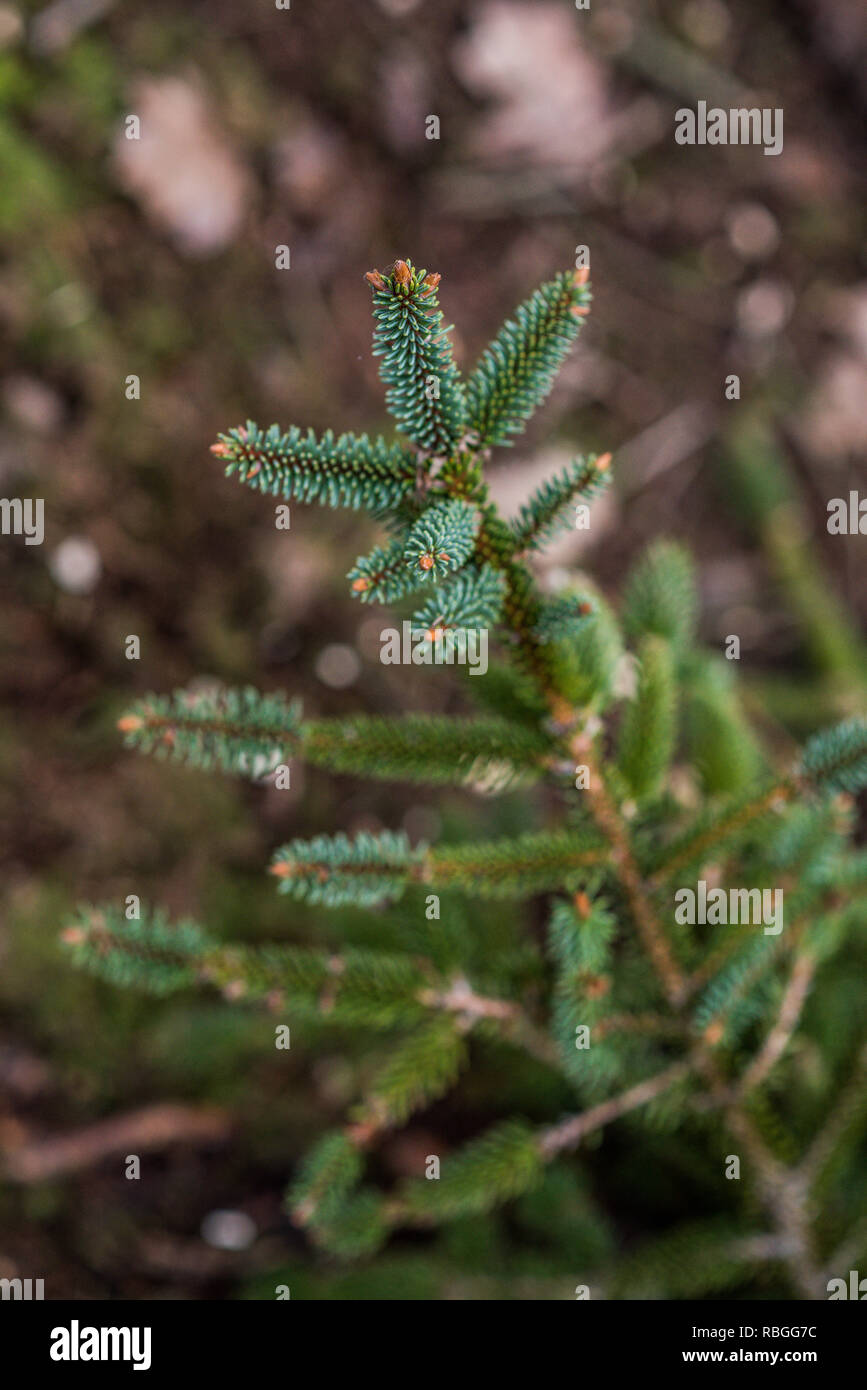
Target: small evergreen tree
[652, 1022]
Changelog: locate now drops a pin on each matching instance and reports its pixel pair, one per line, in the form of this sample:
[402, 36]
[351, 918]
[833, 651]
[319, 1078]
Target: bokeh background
[156, 257]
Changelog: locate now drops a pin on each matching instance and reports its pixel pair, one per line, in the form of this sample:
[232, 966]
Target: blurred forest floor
[156, 258]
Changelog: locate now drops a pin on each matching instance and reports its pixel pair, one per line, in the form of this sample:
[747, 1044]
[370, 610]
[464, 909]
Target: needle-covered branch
[353, 987]
[516, 372]
[649, 728]
[238, 731]
[424, 393]
[431, 749]
[638, 772]
[345, 471]
[473, 600]
[834, 760]
[370, 869]
[242, 731]
[549, 508]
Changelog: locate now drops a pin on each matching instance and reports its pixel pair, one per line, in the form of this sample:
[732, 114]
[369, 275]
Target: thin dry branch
[141, 1131]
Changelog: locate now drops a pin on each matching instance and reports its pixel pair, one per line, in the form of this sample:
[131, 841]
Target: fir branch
[515, 868]
[660, 596]
[420, 1070]
[580, 940]
[813, 834]
[564, 618]
[733, 980]
[491, 1170]
[150, 953]
[648, 731]
[441, 540]
[547, 510]
[349, 471]
[377, 989]
[516, 372]
[359, 1227]
[495, 548]
[235, 730]
[435, 501]
[383, 576]
[721, 745]
[583, 649]
[472, 601]
[374, 989]
[424, 394]
[836, 759]
[334, 870]
[438, 542]
[430, 749]
[717, 829]
[580, 934]
[328, 1175]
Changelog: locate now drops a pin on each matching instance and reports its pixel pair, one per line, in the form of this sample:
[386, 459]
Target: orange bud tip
[579, 310]
[426, 562]
[359, 586]
[72, 936]
[129, 723]
[220, 449]
[603, 462]
[374, 278]
[581, 276]
[281, 869]
[402, 273]
[431, 281]
[585, 608]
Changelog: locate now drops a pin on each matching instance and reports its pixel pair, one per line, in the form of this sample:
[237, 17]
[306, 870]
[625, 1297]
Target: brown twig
[608, 818]
[461, 999]
[775, 1044]
[152, 1128]
[569, 1133]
